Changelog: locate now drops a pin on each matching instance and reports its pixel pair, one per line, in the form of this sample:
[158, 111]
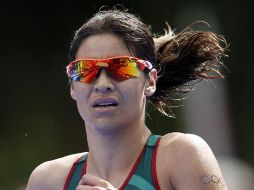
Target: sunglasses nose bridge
[104, 70]
[102, 66]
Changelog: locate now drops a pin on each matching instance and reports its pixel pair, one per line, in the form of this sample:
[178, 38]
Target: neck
[114, 153]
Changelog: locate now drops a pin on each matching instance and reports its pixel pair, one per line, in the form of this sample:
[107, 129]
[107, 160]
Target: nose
[103, 83]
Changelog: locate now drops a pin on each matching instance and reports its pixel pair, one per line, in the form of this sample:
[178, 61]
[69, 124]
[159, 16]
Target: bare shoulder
[191, 162]
[52, 174]
[181, 143]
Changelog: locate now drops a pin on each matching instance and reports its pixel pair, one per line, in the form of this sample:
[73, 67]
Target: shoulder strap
[152, 140]
[75, 173]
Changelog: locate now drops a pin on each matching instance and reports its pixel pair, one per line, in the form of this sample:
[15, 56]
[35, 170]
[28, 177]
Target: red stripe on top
[154, 173]
[68, 179]
[132, 170]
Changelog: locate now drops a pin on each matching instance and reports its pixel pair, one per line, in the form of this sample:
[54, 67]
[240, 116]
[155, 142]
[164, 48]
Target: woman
[116, 67]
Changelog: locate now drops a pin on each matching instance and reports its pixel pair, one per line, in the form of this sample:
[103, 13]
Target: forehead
[101, 46]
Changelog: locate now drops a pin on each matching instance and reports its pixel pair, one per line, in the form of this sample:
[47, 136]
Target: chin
[107, 125]
[112, 123]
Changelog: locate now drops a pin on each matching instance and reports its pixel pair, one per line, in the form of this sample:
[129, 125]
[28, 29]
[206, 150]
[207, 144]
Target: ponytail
[183, 60]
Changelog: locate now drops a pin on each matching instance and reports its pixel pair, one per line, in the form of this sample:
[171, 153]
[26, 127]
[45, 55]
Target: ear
[151, 83]
[72, 92]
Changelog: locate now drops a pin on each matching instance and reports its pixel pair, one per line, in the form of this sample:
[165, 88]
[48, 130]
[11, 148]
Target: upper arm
[195, 166]
[39, 179]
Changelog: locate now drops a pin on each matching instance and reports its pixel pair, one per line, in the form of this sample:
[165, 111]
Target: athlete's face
[107, 104]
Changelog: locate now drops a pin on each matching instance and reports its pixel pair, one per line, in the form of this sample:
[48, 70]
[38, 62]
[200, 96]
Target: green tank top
[142, 176]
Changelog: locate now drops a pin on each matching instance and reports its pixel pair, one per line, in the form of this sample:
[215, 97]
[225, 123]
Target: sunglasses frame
[103, 63]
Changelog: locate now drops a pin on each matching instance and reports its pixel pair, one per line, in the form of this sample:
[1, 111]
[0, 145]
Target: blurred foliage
[39, 120]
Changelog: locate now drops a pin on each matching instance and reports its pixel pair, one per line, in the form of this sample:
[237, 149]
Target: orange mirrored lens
[88, 76]
[86, 70]
[123, 69]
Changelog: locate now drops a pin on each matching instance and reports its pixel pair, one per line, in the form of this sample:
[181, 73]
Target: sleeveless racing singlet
[141, 177]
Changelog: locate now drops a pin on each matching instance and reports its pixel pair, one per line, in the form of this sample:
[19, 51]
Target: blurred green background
[39, 120]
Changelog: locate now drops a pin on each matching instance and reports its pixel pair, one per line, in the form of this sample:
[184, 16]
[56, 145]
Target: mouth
[103, 103]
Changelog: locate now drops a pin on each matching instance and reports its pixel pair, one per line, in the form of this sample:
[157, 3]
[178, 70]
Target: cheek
[82, 102]
[80, 89]
[81, 93]
[134, 96]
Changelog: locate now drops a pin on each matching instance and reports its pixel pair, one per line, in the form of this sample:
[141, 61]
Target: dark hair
[181, 59]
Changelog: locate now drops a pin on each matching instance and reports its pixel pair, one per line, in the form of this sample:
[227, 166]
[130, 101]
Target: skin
[188, 162]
